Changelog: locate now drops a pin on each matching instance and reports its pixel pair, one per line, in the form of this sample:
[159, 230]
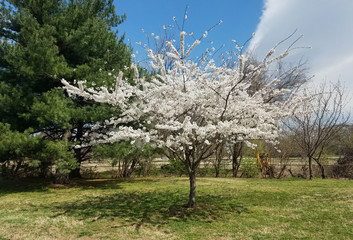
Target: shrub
[344, 167]
[174, 167]
[249, 168]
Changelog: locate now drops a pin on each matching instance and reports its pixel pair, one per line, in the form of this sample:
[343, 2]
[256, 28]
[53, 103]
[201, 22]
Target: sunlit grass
[152, 208]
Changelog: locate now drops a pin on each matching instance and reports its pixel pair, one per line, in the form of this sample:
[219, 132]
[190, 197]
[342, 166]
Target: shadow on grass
[8, 186]
[156, 208]
[105, 183]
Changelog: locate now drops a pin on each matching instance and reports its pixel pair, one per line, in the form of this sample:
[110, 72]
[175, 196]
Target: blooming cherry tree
[191, 108]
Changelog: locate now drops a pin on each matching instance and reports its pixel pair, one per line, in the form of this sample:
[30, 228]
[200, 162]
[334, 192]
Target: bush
[249, 168]
[128, 157]
[17, 150]
[153, 171]
[174, 167]
[206, 171]
[344, 167]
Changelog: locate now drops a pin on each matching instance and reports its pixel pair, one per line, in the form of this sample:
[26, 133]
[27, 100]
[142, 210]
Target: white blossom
[191, 106]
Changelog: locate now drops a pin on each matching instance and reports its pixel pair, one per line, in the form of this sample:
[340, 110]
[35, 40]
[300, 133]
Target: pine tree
[42, 41]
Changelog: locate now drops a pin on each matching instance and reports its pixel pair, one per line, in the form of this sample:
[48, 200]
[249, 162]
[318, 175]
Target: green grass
[153, 209]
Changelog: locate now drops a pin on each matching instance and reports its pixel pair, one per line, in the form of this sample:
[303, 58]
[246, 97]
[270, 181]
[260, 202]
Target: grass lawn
[151, 208]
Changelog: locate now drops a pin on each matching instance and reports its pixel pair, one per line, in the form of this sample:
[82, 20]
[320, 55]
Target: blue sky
[325, 24]
[240, 18]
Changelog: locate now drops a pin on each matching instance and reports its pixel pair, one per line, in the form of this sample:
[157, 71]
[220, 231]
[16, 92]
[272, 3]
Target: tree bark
[323, 176]
[60, 178]
[80, 155]
[217, 173]
[219, 155]
[132, 167]
[310, 168]
[192, 195]
[282, 171]
[237, 151]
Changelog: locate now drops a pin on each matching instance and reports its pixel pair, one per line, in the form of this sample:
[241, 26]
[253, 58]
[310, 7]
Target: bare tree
[323, 120]
[292, 76]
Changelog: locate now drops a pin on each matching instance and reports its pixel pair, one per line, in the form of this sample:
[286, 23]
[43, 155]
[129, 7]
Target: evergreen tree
[42, 41]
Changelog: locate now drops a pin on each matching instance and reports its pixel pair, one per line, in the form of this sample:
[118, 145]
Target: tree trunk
[60, 178]
[323, 176]
[282, 171]
[132, 167]
[44, 169]
[18, 166]
[192, 195]
[75, 173]
[217, 172]
[219, 155]
[237, 153]
[128, 168]
[191, 165]
[120, 172]
[310, 168]
[125, 168]
[79, 153]
[217, 167]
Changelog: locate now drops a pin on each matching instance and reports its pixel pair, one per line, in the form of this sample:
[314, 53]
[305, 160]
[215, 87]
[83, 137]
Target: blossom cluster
[191, 106]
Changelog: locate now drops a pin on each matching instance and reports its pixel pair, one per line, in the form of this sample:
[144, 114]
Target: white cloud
[327, 26]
